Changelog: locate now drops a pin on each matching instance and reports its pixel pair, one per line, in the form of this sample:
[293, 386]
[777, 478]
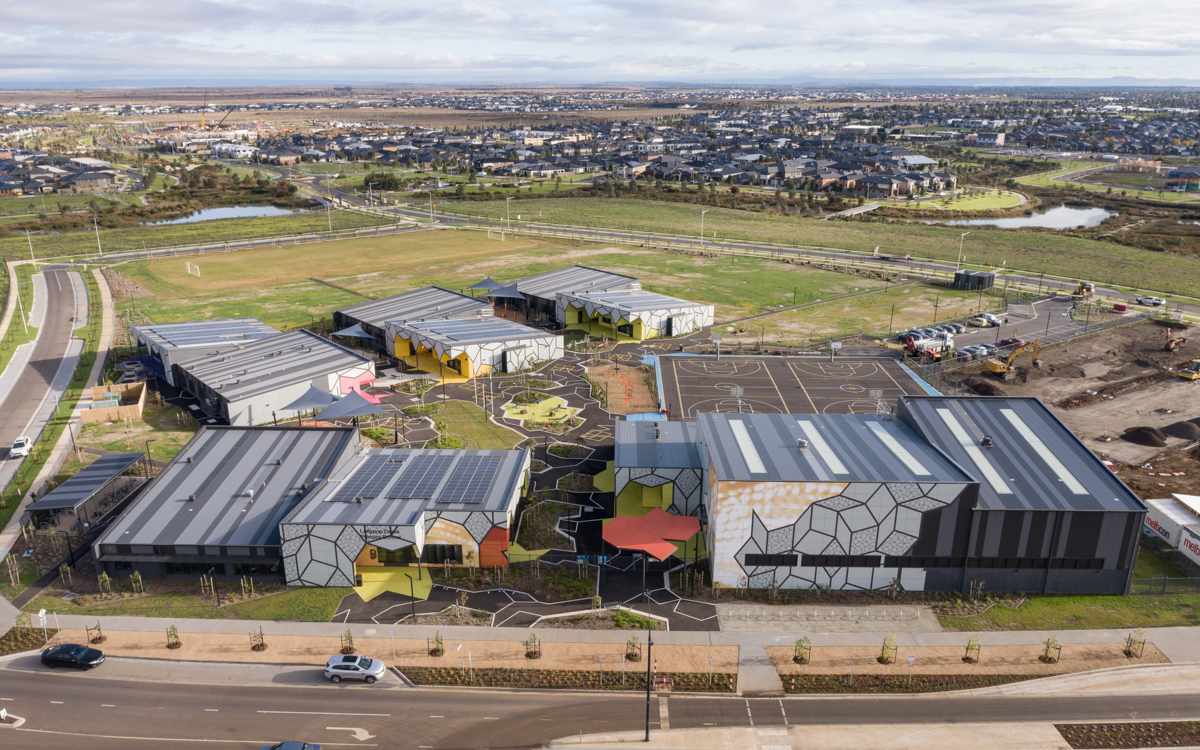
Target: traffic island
[633, 678]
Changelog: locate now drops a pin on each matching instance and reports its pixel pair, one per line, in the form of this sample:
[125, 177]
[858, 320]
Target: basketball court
[781, 385]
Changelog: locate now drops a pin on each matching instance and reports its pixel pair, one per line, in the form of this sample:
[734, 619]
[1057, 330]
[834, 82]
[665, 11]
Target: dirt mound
[1184, 430]
[985, 387]
[1148, 436]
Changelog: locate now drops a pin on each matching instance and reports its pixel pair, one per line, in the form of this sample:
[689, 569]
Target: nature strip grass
[18, 333]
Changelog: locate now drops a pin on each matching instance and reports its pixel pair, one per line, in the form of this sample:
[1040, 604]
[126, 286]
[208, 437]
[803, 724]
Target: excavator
[1004, 369]
[1192, 371]
[1083, 290]
[1174, 343]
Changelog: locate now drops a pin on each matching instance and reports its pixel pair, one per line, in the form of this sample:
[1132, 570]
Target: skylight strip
[975, 454]
[818, 442]
[1040, 448]
[746, 446]
[901, 452]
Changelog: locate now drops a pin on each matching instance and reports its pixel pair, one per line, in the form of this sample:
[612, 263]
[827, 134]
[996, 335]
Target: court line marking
[801, 384]
[683, 411]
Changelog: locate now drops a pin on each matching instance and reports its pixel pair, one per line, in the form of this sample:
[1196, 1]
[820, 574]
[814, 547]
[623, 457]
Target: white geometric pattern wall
[865, 519]
[685, 496]
[522, 354]
[688, 318]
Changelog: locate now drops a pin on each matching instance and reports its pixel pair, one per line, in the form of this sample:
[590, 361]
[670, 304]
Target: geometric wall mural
[687, 317]
[685, 495]
[865, 518]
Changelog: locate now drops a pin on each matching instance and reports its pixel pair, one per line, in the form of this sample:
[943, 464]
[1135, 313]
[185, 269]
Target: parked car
[989, 349]
[1152, 301]
[980, 322]
[72, 655]
[965, 354]
[958, 327]
[1012, 342]
[293, 746]
[20, 447]
[352, 667]
[990, 317]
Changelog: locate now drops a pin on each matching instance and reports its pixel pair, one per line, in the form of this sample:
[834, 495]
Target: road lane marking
[437, 717]
[107, 705]
[260, 743]
[318, 713]
[212, 710]
[58, 702]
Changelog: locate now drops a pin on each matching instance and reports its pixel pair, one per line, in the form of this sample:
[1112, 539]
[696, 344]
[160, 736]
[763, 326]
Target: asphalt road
[31, 387]
[66, 710]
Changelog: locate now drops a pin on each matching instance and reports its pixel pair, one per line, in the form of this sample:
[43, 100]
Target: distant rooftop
[90, 480]
[573, 280]
[634, 300]
[656, 445]
[464, 332]
[420, 304]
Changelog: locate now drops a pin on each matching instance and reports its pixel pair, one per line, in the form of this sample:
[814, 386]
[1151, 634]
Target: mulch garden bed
[874, 683]
[17, 640]
[562, 679]
[1140, 734]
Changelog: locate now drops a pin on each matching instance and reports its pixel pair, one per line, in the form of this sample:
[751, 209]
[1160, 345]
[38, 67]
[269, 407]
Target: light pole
[508, 211]
[30, 241]
[96, 225]
[960, 248]
[702, 224]
[649, 640]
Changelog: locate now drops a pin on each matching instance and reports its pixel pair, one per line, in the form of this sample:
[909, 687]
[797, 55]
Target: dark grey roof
[201, 333]
[419, 304]
[573, 280]
[90, 480]
[841, 448]
[395, 486]
[227, 463]
[654, 445]
[1035, 462]
[269, 364]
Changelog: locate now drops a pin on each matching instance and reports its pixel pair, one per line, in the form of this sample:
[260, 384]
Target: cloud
[585, 40]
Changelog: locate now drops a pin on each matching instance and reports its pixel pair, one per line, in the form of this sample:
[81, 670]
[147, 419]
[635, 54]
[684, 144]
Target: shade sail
[486, 285]
[652, 533]
[504, 292]
[313, 398]
[351, 405]
[354, 331]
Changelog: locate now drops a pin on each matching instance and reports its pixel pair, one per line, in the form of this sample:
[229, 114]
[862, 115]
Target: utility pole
[702, 224]
[97, 227]
[960, 249]
[508, 212]
[30, 241]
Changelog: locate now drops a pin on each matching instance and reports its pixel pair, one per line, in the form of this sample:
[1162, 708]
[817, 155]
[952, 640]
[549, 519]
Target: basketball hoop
[736, 391]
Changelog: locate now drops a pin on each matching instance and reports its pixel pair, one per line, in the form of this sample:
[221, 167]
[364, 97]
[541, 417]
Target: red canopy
[651, 533]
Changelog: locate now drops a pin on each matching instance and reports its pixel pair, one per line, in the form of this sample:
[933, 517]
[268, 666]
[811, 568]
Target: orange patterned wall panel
[492, 549]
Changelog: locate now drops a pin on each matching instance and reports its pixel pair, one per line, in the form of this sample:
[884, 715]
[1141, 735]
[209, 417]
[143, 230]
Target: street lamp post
[962, 237]
[702, 224]
[649, 640]
[508, 211]
[149, 461]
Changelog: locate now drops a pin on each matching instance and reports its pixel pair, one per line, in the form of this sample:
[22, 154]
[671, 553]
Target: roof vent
[250, 493]
[986, 441]
[279, 462]
[358, 500]
[304, 487]
[188, 460]
[191, 498]
[801, 444]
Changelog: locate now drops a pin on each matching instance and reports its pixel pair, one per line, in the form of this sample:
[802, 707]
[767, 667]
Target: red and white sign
[1160, 522]
[1189, 545]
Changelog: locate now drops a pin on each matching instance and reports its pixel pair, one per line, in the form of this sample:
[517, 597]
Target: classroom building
[631, 315]
[173, 344]
[471, 347]
[540, 292]
[368, 320]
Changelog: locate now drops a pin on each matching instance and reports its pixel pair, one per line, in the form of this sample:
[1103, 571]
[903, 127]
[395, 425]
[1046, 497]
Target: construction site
[1130, 393]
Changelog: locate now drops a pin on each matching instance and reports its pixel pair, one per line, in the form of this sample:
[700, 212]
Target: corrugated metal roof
[573, 280]
[841, 448]
[419, 304]
[482, 331]
[1033, 455]
[267, 365]
[201, 333]
[227, 463]
[90, 479]
[395, 486]
[634, 300]
[650, 445]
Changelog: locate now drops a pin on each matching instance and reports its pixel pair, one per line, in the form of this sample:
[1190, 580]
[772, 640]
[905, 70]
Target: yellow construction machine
[1083, 290]
[1004, 367]
[1192, 371]
[1174, 343]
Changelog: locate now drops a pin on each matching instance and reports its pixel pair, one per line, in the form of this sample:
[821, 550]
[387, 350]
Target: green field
[259, 282]
[18, 332]
[1052, 252]
[974, 202]
[468, 423]
[294, 605]
[1053, 179]
[1085, 613]
[82, 244]
[49, 204]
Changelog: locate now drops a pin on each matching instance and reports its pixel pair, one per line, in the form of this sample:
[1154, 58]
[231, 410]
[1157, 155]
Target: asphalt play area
[781, 385]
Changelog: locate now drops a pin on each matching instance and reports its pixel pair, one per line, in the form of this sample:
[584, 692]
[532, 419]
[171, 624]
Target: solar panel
[471, 480]
[422, 474]
[356, 485]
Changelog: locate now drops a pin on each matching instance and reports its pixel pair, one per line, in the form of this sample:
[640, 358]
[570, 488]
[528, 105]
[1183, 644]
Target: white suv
[20, 447]
[352, 667]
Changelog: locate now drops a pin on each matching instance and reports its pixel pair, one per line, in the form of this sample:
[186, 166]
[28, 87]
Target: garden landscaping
[566, 679]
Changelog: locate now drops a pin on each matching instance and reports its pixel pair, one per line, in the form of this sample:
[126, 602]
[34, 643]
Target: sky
[127, 42]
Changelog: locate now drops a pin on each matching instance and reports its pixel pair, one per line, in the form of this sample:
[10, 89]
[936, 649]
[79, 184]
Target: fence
[1165, 586]
[937, 374]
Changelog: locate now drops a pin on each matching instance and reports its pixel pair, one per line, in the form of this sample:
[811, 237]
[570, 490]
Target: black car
[293, 746]
[72, 655]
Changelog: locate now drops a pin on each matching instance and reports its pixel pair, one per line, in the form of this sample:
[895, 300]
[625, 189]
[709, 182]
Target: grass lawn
[158, 423]
[973, 202]
[301, 604]
[172, 604]
[28, 205]
[17, 332]
[1085, 613]
[27, 574]
[297, 604]
[915, 304]
[1053, 179]
[1150, 565]
[260, 282]
[82, 244]
[465, 421]
[1035, 251]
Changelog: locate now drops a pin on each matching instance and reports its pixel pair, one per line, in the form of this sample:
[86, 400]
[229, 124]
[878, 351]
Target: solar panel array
[422, 475]
[471, 480]
[214, 332]
[375, 469]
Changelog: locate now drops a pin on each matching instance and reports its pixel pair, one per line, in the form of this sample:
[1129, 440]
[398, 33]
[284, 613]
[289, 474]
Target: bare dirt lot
[628, 391]
[1116, 381]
